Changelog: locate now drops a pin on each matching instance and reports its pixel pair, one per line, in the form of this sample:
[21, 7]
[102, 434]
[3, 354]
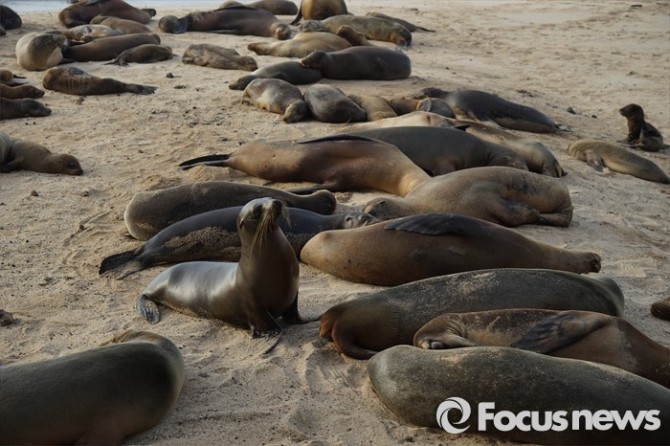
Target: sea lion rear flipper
[291, 316]
[148, 309]
[559, 331]
[594, 160]
[117, 260]
[432, 224]
[207, 160]
[297, 17]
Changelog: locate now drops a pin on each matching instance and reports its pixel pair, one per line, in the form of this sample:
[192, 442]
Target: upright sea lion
[252, 293]
[572, 334]
[216, 56]
[20, 91]
[149, 212]
[290, 71]
[82, 12]
[213, 235]
[124, 26]
[301, 45]
[600, 154]
[97, 396]
[107, 48]
[536, 398]
[372, 28]
[17, 154]
[427, 245]
[409, 26]
[71, 80]
[334, 163]
[360, 62]
[503, 195]
[375, 107]
[277, 96]
[641, 134]
[319, 9]
[9, 19]
[87, 33]
[22, 108]
[147, 53]
[329, 104]
[363, 326]
[37, 51]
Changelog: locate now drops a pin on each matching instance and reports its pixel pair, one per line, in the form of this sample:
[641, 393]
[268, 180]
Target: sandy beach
[576, 61]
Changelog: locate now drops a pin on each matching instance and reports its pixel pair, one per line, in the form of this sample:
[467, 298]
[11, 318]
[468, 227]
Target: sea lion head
[259, 217]
[358, 219]
[280, 31]
[67, 164]
[385, 208]
[31, 107]
[247, 63]
[172, 24]
[314, 59]
[241, 83]
[632, 111]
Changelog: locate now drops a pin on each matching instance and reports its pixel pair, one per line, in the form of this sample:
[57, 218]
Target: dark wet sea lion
[96, 396]
[9, 19]
[71, 80]
[360, 62]
[20, 91]
[361, 327]
[147, 53]
[301, 45]
[277, 96]
[329, 104]
[26, 155]
[37, 51]
[82, 12]
[319, 9]
[372, 28]
[641, 134]
[215, 56]
[107, 48]
[22, 108]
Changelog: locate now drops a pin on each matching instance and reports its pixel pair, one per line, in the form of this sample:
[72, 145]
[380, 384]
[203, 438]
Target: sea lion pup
[37, 51]
[319, 10]
[491, 109]
[440, 150]
[661, 309]
[147, 53]
[108, 48]
[600, 154]
[330, 104]
[9, 19]
[9, 78]
[16, 154]
[571, 334]
[20, 91]
[301, 45]
[277, 96]
[503, 195]
[22, 108]
[71, 80]
[361, 327]
[149, 212]
[87, 33]
[215, 56]
[548, 400]
[290, 71]
[252, 293]
[336, 163]
[360, 62]
[427, 245]
[97, 396]
[372, 28]
[409, 26]
[277, 7]
[240, 20]
[213, 236]
[82, 12]
[641, 134]
[375, 107]
[123, 26]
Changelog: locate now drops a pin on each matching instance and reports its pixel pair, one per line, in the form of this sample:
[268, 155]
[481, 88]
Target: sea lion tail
[121, 265]
[148, 309]
[207, 160]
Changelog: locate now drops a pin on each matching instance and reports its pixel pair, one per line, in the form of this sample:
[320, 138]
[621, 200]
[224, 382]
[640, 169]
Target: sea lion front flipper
[336, 137]
[559, 331]
[148, 309]
[291, 316]
[207, 160]
[432, 224]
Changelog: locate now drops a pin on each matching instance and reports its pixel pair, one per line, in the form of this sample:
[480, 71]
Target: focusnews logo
[541, 421]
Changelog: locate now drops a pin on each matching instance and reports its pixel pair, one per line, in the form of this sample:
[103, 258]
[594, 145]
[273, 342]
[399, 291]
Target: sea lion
[17, 154]
[489, 108]
[600, 154]
[124, 26]
[277, 7]
[503, 195]
[147, 53]
[97, 396]
[403, 106]
[213, 235]
[82, 12]
[38, 51]
[427, 245]
[641, 134]
[319, 9]
[361, 327]
[409, 26]
[372, 28]
[290, 71]
[150, 211]
[107, 48]
[9, 19]
[329, 104]
[417, 118]
[572, 334]
[567, 395]
[334, 163]
[87, 33]
[20, 91]
[301, 45]
[277, 96]
[22, 108]
[661, 309]
[360, 62]
[215, 56]
[239, 20]
[71, 80]
[375, 107]
[252, 293]
[11, 79]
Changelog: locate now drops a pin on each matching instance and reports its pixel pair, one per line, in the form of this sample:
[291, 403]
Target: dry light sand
[592, 56]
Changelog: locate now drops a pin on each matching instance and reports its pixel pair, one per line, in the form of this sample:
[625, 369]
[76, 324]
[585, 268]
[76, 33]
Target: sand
[590, 56]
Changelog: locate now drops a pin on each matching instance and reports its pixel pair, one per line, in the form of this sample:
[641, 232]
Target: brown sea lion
[661, 309]
[213, 235]
[329, 104]
[20, 91]
[291, 71]
[87, 33]
[409, 26]
[123, 26]
[147, 53]
[503, 195]
[25, 155]
[277, 96]
[82, 12]
[572, 334]
[71, 80]
[97, 396]
[360, 62]
[150, 211]
[417, 118]
[277, 7]
[252, 293]
[361, 327]
[301, 45]
[215, 56]
[536, 398]
[107, 48]
[334, 163]
[11, 79]
[22, 108]
[600, 154]
[319, 10]
[641, 134]
[37, 51]
[427, 245]
[375, 107]
[372, 28]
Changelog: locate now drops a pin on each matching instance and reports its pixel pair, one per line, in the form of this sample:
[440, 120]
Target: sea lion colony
[467, 105]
